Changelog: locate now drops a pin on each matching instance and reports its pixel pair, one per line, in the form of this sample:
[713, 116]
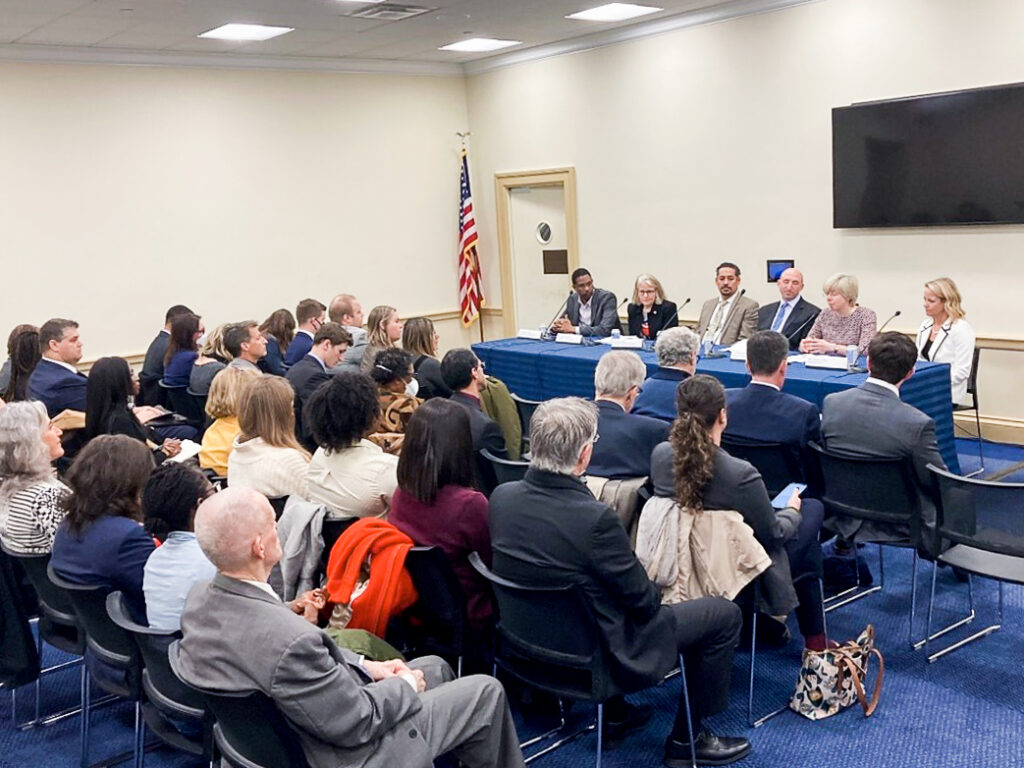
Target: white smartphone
[782, 500]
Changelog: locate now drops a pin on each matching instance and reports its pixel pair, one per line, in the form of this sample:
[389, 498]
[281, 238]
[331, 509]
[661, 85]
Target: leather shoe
[711, 750]
[636, 717]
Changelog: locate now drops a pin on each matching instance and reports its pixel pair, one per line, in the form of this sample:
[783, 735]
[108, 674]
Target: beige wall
[714, 143]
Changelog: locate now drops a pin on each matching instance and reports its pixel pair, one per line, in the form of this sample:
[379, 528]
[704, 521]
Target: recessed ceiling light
[247, 32]
[614, 12]
[477, 44]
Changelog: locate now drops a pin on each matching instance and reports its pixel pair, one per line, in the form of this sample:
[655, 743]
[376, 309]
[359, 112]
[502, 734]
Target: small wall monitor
[776, 267]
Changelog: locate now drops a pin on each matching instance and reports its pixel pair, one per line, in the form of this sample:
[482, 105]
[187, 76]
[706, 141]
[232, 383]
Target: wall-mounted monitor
[776, 267]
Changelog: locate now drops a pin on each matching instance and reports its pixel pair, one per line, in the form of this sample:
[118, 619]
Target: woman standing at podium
[649, 311]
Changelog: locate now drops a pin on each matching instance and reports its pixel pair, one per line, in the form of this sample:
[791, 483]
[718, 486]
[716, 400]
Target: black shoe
[615, 731]
[711, 750]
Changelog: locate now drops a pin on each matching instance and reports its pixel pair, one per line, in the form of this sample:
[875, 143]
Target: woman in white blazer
[945, 336]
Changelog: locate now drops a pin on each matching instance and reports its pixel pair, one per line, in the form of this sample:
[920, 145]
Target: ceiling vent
[389, 12]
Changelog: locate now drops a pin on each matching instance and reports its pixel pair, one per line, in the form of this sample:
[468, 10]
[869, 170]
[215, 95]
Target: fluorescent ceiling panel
[247, 32]
[614, 12]
[478, 44]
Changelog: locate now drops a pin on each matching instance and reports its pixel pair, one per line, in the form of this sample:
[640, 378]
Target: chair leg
[140, 736]
[84, 730]
[929, 635]
[932, 657]
[689, 714]
[600, 733]
[856, 592]
[913, 598]
[981, 453]
[753, 656]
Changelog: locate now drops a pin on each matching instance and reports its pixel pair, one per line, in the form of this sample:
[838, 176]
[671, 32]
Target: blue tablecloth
[539, 370]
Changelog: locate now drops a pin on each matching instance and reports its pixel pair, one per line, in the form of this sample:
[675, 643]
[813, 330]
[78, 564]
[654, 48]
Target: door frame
[504, 183]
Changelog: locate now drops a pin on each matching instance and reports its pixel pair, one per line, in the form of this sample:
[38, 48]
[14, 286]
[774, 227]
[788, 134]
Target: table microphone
[895, 314]
[674, 314]
[558, 314]
[789, 336]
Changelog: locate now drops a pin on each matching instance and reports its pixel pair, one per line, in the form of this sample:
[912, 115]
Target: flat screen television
[940, 160]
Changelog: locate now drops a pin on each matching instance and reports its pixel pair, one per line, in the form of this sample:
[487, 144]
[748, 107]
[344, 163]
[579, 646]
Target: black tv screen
[953, 158]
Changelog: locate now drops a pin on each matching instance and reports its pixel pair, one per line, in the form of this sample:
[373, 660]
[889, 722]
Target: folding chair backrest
[980, 513]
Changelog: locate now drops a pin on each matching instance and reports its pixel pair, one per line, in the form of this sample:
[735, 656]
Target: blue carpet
[965, 710]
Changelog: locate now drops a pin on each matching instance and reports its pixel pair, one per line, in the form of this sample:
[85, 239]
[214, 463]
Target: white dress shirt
[721, 314]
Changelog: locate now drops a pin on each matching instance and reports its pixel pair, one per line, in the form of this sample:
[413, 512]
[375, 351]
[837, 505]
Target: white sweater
[270, 470]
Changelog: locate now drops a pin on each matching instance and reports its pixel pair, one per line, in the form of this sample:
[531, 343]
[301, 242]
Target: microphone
[561, 309]
[895, 314]
[789, 336]
[674, 314]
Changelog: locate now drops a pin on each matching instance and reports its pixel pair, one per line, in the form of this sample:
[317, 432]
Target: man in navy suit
[310, 315]
[791, 316]
[306, 376]
[677, 360]
[627, 439]
[55, 381]
[589, 311]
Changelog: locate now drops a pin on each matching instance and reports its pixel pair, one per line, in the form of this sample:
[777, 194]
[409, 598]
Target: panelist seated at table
[792, 315]
[676, 349]
[945, 336]
[843, 323]
[589, 311]
[730, 317]
[650, 311]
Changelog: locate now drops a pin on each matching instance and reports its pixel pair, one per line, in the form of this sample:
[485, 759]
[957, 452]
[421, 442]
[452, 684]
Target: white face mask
[412, 388]
[201, 341]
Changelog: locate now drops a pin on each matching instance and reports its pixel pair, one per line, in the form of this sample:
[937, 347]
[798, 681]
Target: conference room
[147, 167]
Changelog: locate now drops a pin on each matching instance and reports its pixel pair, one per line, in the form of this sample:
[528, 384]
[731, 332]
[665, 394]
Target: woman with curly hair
[349, 474]
[392, 370]
[693, 468]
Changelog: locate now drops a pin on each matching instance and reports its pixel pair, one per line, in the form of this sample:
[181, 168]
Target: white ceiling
[325, 35]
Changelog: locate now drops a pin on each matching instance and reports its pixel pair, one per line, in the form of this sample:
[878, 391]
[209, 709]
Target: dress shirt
[586, 311]
[765, 384]
[264, 586]
[717, 324]
[168, 576]
[61, 363]
[885, 384]
[353, 482]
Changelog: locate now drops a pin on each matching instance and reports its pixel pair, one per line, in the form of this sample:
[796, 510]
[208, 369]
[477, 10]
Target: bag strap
[848, 665]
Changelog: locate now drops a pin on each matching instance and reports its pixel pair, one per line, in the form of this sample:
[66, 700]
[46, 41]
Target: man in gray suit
[871, 421]
[589, 311]
[348, 712]
[730, 317]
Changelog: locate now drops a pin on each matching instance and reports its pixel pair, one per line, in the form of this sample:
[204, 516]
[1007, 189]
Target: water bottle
[616, 333]
[709, 347]
[851, 357]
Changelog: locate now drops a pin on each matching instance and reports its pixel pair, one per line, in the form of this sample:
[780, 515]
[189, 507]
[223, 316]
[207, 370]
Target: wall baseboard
[995, 428]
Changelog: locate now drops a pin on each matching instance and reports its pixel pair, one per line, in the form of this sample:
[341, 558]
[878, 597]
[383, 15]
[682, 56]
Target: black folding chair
[972, 390]
[436, 624]
[776, 462]
[505, 470]
[186, 404]
[525, 408]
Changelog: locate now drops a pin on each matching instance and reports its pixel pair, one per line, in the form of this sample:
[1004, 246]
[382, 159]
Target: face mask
[412, 388]
[201, 341]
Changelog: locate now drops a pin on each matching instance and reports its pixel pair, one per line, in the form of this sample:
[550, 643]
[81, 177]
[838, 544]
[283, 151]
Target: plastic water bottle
[616, 333]
[851, 357]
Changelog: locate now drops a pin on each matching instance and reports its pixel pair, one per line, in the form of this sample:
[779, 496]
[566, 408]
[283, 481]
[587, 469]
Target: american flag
[471, 293]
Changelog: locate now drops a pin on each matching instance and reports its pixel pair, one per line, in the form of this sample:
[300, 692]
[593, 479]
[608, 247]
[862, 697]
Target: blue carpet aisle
[965, 710]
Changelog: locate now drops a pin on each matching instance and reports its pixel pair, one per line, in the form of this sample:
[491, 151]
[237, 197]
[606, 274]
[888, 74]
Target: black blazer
[150, 392]
[486, 434]
[800, 319]
[58, 388]
[549, 529]
[305, 377]
[627, 440]
[661, 316]
[428, 373]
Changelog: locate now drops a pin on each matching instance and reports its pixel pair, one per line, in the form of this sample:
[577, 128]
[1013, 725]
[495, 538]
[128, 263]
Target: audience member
[23, 355]
[266, 456]
[732, 316]
[843, 323]
[589, 311]
[55, 381]
[213, 358]
[464, 374]
[279, 331]
[245, 344]
[384, 330]
[310, 315]
[435, 504]
[182, 349]
[650, 311]
[392, 371]
[349, 474]
[314, 369]
[420, 339]
[348, 312]
[548, 530]
[101, 541]
[222, 407]
[153, 365]
[945, 336]
[345, 709]
[627, 439]
[30, 493]
[694, 469]
[169, 502]
[793, 314]
[676, 349]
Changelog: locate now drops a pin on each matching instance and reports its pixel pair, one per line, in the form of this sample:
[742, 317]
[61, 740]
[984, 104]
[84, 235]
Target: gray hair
[676, 346]
[559, 430]
[617, 373]
[24, 457]
[843, 284]
[226, 524]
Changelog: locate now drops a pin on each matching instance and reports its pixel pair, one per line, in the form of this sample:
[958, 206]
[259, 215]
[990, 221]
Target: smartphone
[782, 500]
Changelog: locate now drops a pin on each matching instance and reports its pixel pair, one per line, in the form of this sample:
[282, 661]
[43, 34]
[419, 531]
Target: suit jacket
[801, 318]
[604, 313]
[954, 344]
[298, 349]
[342, 718]
[735, 484]
[549, 529]
[305, 377]
[627, 440]
[152, 371]
[740, 322]
[870, 421]
[762, 413]
[58, 388]
[664, 315]
[486, 434]
[658, 398]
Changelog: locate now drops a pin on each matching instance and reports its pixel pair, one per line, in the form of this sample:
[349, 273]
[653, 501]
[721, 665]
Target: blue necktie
[777, 325]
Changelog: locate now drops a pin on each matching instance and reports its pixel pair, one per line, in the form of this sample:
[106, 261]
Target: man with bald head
[793, 316]
[347, 711]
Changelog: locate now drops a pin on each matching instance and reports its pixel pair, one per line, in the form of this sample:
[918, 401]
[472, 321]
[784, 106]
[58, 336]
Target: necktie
[780, 316]
[716, 322]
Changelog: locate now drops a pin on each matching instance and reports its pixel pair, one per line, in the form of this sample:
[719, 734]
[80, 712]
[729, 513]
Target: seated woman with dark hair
[436, 505]
[182, 349]
[420, 340]
[693, 468]
[169, 504]
[348, 474]
[278, 330]
[30, 493]
[101, 541]
[392, 370]
[22, 355]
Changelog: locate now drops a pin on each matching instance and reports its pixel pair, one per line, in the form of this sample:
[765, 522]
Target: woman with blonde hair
[222, 407]
[213, 358]
[266, 456]
[843, 323]
[384, 330]
[945, 336]
[650, 312]
[420, 339]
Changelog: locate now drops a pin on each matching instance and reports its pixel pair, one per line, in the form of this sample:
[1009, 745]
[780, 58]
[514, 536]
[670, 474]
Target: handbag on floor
[833, 679]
